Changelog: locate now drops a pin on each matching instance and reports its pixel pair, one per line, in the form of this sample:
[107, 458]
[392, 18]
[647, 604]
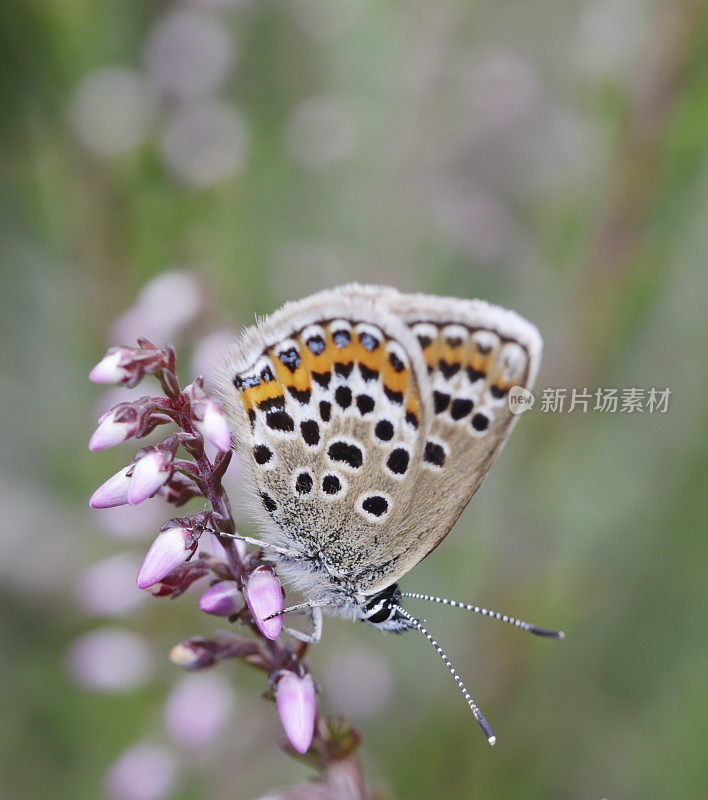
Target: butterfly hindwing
[474, 354]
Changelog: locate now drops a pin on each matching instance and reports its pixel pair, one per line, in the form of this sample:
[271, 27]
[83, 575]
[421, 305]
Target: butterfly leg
[316, 635]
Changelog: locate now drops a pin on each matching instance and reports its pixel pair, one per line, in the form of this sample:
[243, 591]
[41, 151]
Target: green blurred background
[545, 155]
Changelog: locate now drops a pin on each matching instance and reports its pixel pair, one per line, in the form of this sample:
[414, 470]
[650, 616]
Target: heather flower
[115, 426]
[180, 468]
[114, 492]
[169, 551]
[208, 418]
[222, 599]
[264, 597]
[295, 698]
[149, 473]
[111, 368]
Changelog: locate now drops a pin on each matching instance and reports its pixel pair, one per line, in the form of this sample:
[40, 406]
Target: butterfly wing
[329, 405]
[474, 354]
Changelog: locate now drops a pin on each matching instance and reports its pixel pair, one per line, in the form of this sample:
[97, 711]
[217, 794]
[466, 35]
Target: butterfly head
[382, 611]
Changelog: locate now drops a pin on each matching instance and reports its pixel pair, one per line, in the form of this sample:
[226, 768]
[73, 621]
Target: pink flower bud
[214, 427]
[193, 654]
[149, 473]
[108, 370]
[264, 596]
[222, 599]
[114, 492]
[295, 698]
[208, 418]
[169, 550]
[111, 430]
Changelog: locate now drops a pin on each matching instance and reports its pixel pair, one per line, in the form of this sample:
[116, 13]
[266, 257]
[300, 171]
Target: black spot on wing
[301, 395]
[475, 374]
[397, 461]
[331, 484]
[394, 397]
[395, 362]
[448, 370]
[325, 410]
[303, 483]
[365, 404]
[480, 422]
[310, 431]
[272, 403]
[262, 454]
[345, 370]
[384, 430]
[269, 504]
[346, 453]
[440, 401]
[368, 374]
[343, 396]
[461, 407]
[280, 421]
[434, 454]
[323, 378]
[375, 505]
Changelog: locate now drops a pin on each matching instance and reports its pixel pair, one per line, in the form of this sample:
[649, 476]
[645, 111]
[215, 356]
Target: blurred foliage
[547, 156]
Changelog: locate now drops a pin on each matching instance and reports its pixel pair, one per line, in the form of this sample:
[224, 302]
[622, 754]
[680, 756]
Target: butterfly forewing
[367, 419]
[331, 423]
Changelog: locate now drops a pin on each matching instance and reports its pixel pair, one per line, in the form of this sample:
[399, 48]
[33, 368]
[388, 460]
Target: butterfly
[365, 420]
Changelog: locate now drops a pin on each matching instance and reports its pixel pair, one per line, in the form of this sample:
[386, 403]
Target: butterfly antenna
[482, 722]
[486, 612]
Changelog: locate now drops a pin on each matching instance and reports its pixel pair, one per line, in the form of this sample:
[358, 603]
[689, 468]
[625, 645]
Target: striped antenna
[483, 724]
[486, 612]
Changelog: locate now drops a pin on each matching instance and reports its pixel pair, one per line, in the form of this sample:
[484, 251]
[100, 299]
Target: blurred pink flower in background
[475, 222]
[188, 54]
[110, 660]
[163, 307]
[503, 90]
[320, 131]
[112, 110]
[107, 588]
[198, 710]
[205, 143]
[144, 772]
[208, 353]
[358, 681]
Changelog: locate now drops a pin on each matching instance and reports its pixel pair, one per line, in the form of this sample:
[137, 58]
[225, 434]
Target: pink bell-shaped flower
[114, 492]
[264, 596]
[222, 599]
[169, 550]
[295, 698]
[149, 473]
